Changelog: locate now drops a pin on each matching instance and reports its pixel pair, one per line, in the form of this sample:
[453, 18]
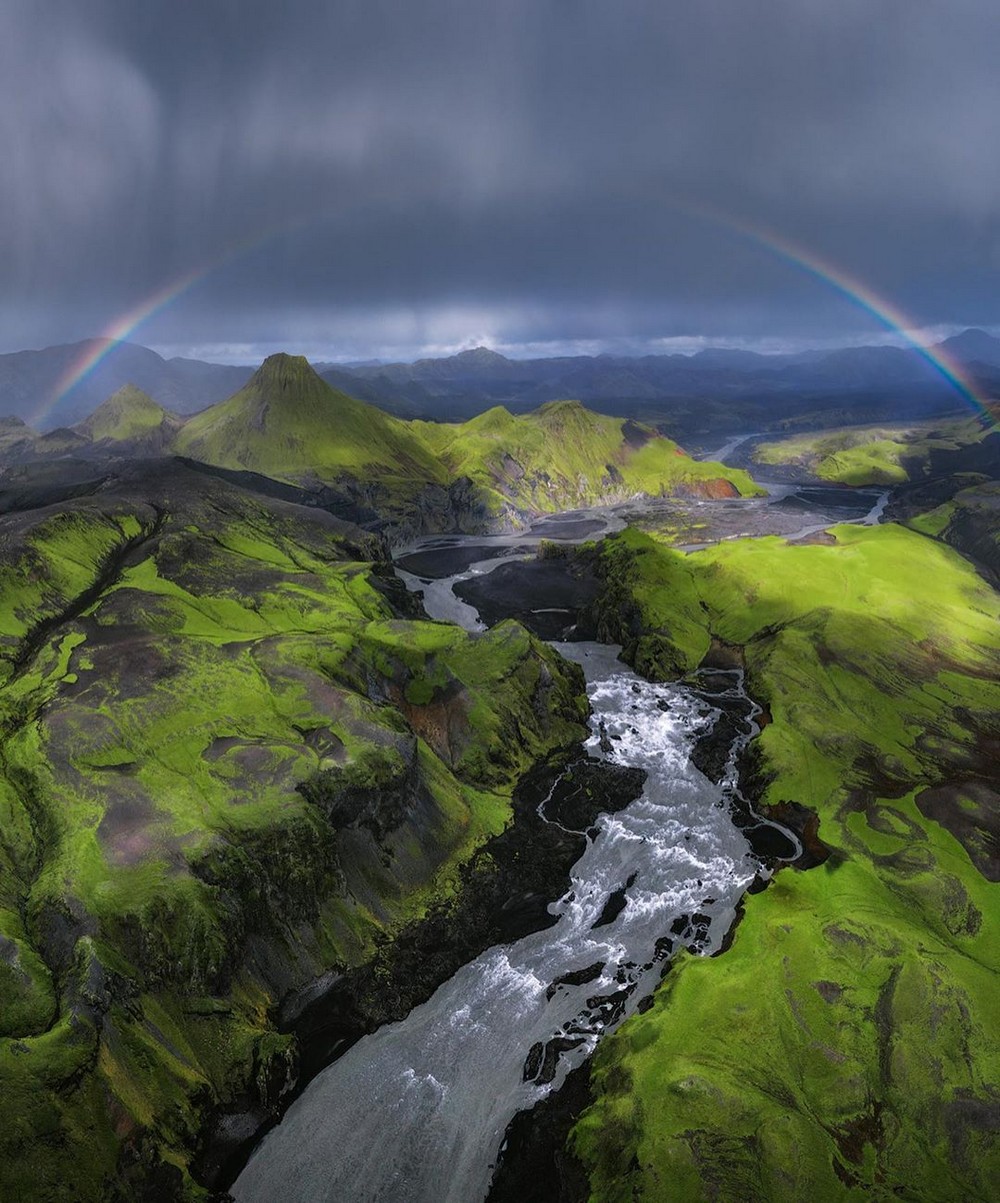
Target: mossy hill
[229, 764]
[845, 1046]
[565, 455]
[289, 424]
[873, 455]
[131, 418]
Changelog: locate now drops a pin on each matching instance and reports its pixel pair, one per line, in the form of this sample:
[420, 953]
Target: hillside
[565, 455]
[131, 419]
[842, 1046]
[289, 423]
[230, 763]
[863, 455]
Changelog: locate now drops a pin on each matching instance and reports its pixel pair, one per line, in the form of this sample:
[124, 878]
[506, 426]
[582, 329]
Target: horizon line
[682, 346]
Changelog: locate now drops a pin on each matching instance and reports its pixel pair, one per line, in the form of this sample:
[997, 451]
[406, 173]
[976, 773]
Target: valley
[400, 477]
[305, 790]
[499, 602]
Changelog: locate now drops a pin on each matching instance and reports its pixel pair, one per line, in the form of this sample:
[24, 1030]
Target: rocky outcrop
[374, 792]
[974, 528]
[715, 490]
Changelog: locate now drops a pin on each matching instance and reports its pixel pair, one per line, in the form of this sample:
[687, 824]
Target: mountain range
[254, 805]
[404, 476]
[696, 395]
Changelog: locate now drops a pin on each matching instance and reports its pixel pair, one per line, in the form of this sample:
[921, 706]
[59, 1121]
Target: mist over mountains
[693, 395]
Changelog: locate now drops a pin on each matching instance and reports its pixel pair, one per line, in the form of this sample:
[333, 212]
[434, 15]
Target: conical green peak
[285, 372]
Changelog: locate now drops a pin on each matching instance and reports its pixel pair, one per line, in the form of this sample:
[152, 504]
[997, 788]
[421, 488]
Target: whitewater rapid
[417, 1110]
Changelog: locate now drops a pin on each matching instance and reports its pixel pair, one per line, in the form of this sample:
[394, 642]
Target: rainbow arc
[849, 286]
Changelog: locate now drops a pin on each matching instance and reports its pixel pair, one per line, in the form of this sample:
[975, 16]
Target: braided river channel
[416, 1112]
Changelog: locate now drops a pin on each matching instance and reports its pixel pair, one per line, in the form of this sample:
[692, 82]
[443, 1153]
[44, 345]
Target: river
[416, 1111]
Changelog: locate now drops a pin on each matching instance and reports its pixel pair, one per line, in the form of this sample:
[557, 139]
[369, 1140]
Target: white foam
[417, 1109]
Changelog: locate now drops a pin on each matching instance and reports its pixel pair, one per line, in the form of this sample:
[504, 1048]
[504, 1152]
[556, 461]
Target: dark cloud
[373, 174]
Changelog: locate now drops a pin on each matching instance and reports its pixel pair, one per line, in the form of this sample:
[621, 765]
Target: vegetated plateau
[845, 1045]
[236, 762]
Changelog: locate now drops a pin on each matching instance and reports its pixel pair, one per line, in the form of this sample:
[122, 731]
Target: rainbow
[99, 348]
[859, 293]
[855, 290]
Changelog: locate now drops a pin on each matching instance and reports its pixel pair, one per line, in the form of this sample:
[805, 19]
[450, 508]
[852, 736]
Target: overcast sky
[372, 178]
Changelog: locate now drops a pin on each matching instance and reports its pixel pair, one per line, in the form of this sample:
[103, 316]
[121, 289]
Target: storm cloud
[373, 178]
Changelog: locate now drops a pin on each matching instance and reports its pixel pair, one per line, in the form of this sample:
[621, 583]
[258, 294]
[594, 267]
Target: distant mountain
[478, 360]
[863, 367]
[289, 425]
[692, 395]
[730, 357]
[30, 380]
[973, 346]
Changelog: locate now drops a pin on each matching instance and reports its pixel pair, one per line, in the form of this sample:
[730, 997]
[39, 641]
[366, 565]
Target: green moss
[290, 424]
[157, 749]
[126, 416]
[565, 454]
[652, 606]
[62, 557]
[934, 521]
[838, 1049]
[869, 455]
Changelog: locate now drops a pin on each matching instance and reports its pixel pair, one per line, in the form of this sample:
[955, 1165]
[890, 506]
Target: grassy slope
[163, 881]
[845, 1046]
[290, 424]
[129, 416]
[863, 455]
[565, 454]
